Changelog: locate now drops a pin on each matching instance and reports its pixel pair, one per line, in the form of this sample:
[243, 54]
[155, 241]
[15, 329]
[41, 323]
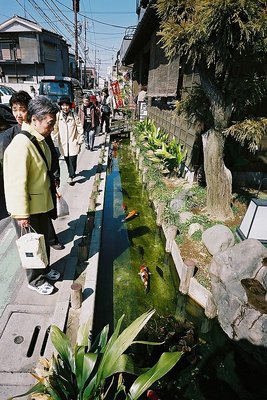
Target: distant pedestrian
[89, 120]
[68, 133]
[105, 109]
[28, 185]
[33, 91]
[142, 95]
[141, 98]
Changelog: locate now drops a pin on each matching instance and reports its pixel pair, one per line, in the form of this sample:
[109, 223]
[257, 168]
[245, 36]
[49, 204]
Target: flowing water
[220, 371]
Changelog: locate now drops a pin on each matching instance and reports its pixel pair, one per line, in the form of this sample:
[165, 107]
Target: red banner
[115, 87]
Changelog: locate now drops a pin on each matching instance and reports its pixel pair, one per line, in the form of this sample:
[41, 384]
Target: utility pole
[76, 9]
[85, 55]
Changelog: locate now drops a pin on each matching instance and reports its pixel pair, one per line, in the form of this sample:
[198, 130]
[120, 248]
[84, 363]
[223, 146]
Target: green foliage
[195, 105]
[213, 33]
[250, 131]
[198, 199]
[153, 135]
[82, 373]
[169, 155]
[225, 41]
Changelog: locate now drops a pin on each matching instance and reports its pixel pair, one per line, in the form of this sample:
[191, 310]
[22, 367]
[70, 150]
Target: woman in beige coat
[28, 190]
[68, 135]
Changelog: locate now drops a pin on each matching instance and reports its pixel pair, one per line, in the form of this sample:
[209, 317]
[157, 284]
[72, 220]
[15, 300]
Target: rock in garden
[239, 287]
[218, 238]
[179, 200]
[185, 216]
[194, 228]
[176, 205]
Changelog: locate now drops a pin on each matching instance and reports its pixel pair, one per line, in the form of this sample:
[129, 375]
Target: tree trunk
[218, 177]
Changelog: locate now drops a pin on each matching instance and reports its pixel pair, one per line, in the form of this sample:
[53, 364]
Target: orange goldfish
[144, 274]
[130, 215]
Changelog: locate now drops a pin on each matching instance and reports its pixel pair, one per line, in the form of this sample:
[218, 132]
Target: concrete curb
[91, 273]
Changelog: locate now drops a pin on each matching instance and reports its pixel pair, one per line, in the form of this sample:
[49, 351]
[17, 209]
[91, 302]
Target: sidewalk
[25, 321]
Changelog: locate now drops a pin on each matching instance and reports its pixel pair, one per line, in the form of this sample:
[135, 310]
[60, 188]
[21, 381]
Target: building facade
[27, 51]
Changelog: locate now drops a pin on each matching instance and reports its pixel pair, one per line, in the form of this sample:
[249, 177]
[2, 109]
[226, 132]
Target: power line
[22, 6]
[95, 20]
[45, 17]
[58, 16]
[61, 12]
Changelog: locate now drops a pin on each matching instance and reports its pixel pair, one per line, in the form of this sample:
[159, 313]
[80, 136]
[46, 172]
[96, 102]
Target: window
[9, 51]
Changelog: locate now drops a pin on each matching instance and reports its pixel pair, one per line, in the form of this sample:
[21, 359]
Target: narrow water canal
[220, 372]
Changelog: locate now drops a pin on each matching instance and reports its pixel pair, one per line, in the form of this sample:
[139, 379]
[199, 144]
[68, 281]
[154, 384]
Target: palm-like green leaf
[83, 334]
[79, 354]
[122, 342]
[89, 363]
[38, 388]
[61, 368]
[84, 365]
[62, 346]
[144, 381]
[155, 160]
[164, 154]
[90, 388]
[60, 389]
[126, 364]
[147, 343]
[114, 336]
[101, 340]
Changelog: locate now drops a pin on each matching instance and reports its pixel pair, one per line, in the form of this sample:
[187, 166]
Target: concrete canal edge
[91, 272]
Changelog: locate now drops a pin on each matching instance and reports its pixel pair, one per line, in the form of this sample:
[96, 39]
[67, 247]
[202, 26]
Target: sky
[105, 22]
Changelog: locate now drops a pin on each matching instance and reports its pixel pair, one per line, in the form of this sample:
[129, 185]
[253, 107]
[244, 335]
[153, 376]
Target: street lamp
[254, 222]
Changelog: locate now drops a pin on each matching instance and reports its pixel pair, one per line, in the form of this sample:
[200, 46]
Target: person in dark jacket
[105, 111]
[6, 121]
[89, 120]
[19, 102]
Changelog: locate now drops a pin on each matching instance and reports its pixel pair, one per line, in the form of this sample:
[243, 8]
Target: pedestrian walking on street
[89, 120]
[105, 110]
[19, 102]
[68, 135]
[29, 189]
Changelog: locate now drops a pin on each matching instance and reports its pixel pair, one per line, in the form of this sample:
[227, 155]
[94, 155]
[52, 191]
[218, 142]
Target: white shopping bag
[62, 206]
[32, 250]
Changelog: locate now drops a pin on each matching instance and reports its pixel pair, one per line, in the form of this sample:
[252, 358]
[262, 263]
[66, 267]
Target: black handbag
[52, 213]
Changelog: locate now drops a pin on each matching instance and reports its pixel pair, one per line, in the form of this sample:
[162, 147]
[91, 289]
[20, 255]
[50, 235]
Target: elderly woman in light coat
[68, 135]
[27, 183]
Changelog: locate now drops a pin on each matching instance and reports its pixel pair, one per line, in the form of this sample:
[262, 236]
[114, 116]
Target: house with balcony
[28, 51]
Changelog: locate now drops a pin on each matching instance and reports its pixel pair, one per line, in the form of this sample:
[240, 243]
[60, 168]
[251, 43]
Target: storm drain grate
[23, 341]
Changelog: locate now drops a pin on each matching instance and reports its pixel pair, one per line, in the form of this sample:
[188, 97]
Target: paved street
[24, 312]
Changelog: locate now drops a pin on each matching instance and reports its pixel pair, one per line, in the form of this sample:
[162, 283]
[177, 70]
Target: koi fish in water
[152, 395]
[130, 215]
[144, 274]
